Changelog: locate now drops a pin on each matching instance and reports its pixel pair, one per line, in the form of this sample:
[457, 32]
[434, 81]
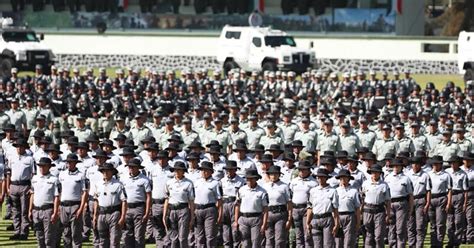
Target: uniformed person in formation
[280, 209]
[159, 173]
[300, 187]
[208, 207]
[73, 201]
[323, 216]
[138, 190]
[231, 184]
[401, 192]
[441, 185]
[387, 144]
[348, 210]
[456, 225]
[251, 211]
[20, 171]
[468, 158]
[418, 220]
[376, 207]
[110, 207]
[44, 205]
[178, 210]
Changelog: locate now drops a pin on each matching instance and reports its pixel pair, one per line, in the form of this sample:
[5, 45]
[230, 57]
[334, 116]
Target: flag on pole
[259, 5]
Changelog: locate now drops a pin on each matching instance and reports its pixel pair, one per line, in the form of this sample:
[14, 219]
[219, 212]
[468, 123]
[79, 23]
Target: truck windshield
[11, 36]
[275, 41]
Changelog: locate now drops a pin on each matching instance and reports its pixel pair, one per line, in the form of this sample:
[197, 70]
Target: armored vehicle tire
[229, 65]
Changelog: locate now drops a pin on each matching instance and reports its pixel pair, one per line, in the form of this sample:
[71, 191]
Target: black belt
[374, 208]
[135, 205]
[177, 206]
[159, 201]
[109, 210]
[204, 206]
[250, 215]
[229, 199]
[70, 203]
[21, 182]
[457, 192]
[438, 195]
[346, 213]
[399, 199]
[419, 196]
[44, 207]
[277, 208]
[300, 205]
[322, 216]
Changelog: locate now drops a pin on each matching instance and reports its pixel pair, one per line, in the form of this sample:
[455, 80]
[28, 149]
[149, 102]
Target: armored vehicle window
[232, 35]
[257, 42]
[12, 36]
[275, 41]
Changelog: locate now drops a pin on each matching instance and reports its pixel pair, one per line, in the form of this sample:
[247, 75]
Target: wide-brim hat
[100, 154]
[344, 173]
[274, 147]
[274, 170]
[375, 168]
[135, 163]
[304, 165]
[266, 158]
[38, 134]
[179, 166]
[251, 173]
[9, 128]
[321, 172]
[108, 142]
[173, 146]
[53, 148]
[120, 136]
[71, 157]
[213, 143]
[435, 160]
[297, 143]
[397, 162]
[328, 161]
[108, 166]
[92, 138]
[230, 165]
[153, 147]
[20, 142]
[468, 156]
[127, 152]
[193, 156]
[82, 145]
[175, 138]
[206, 165]
[45, 161]
[149, 139]
[259, 148]
[214, 150]
[240, 147]
[163, 154]
[454, 159]
[195, 144]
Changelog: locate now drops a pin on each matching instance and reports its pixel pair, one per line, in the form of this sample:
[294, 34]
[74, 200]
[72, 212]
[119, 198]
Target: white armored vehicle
[261, 48]
[20, 47]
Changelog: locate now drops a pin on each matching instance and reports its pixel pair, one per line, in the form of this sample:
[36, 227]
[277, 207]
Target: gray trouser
[45, 230]
[470, 217]
[20, 203]
[178, 227]
[349, 236]
[437, 214]
[397, 235]
[230, 235]
[375, 228]
[276, 234]
[134, 232]
[159, 231]
[108, 229]
[455, 223]
[322, 232]
[72, 233]
[249, 228]
[88, 223]
[303, 239]
[417, 223]
[206, 228]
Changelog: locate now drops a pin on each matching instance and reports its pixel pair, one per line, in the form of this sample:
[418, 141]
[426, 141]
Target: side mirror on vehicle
[311, 44]
[41, 36]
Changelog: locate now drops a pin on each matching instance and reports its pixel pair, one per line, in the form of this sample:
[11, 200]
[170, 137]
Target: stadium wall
[197, 50]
